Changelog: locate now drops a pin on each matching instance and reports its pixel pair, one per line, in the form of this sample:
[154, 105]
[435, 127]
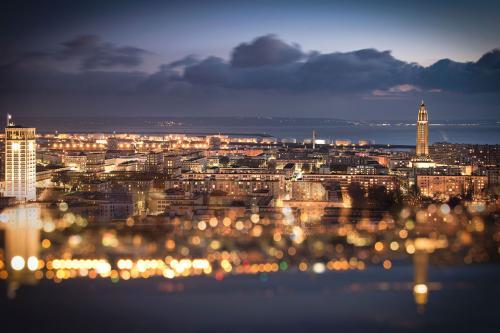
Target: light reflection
[239, 244]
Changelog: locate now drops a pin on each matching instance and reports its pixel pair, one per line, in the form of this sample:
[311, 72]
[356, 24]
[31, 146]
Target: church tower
[422, 148]
[422, 158]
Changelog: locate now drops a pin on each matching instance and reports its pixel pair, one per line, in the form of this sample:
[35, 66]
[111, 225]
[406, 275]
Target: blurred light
[420, 288]
[32, 263]
[17, 263]
[318, 268]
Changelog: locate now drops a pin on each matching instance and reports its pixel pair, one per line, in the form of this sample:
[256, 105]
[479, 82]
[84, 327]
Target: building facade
[422, 148]
[20, 162]
[446, 186]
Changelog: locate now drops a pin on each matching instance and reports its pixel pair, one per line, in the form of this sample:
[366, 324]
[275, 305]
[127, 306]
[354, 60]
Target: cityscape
[247, 222]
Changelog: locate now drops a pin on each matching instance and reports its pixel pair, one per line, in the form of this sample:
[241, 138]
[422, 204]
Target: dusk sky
[338, 59]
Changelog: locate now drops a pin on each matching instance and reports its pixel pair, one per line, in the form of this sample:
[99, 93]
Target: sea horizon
[379, 132]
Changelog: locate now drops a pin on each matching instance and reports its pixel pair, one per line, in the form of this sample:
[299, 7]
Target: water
[463, 299]
[470, 132]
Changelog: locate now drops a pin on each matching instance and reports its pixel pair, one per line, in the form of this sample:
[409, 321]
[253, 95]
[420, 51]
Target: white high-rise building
[20, 162]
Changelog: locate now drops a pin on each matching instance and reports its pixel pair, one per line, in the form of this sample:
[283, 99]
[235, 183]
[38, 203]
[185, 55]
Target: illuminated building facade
[422, 148]
[85, 161]
[422, 159]
[172, 165]
[20, 162]
[447, 186]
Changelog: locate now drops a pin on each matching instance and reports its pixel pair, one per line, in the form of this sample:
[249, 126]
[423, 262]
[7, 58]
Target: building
[92, 162]
[154, 162]
[20, 162]
[172, 165]
[366, 181]
[448, 186]
[343, 142]
[175, 200]
[368, 169]
[195, 164]
[422, 148]
[422, 159]
[465, 154]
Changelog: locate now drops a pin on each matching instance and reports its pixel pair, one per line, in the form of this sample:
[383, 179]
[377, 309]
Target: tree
[379, 198]
[271, 165]
[357, 194]
[61, 178]
[454, 201]
[224, 160]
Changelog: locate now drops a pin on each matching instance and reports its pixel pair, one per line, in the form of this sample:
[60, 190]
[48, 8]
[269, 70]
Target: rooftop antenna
[314, 139]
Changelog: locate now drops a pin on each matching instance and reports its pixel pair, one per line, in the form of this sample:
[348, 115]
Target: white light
[32, 263]
[16, 146]
[420, 289]
[318, 268]
[17, 263]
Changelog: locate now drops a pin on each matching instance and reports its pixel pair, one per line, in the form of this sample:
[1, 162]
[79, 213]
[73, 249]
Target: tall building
[422, 148]
[20, 162]
[421, 158]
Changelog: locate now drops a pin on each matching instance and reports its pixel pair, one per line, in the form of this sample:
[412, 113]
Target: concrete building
[92, 162]
[447, 186]
[172, 165]
[422, 159]
[422, 148]
[20, 162]
[154, 162]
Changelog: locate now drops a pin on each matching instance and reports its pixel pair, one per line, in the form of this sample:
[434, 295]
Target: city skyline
[249, 166]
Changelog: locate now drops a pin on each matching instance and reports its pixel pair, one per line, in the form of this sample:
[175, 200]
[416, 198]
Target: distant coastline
[382, 132]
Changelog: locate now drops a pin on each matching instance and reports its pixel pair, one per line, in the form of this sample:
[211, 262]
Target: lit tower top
[10, 123]
[422, 148]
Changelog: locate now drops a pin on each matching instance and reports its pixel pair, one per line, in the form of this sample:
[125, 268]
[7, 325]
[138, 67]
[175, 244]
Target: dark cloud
[96, 71]
[359, 71]
[471, 77]
[186, 61]
[96, 54]
[86, 52]
[266, 63]
[351, 72]
[265, 50]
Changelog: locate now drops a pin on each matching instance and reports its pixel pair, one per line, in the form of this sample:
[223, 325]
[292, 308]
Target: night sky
[339, 59]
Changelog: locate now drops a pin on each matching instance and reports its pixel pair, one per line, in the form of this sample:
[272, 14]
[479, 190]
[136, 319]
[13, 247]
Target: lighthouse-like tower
[422, 148]
[421, 158]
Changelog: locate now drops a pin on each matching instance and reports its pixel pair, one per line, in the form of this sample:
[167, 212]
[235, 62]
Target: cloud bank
[86, 65]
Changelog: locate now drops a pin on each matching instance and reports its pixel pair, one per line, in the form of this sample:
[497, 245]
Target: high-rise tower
[422, 158]
[422, 148]
[20, 162]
